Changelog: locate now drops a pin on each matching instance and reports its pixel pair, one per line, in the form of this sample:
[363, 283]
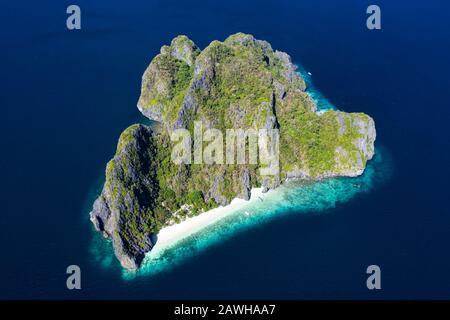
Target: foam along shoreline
[171, 235]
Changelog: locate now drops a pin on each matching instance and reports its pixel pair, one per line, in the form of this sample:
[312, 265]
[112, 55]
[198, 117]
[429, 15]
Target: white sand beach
[171, 235]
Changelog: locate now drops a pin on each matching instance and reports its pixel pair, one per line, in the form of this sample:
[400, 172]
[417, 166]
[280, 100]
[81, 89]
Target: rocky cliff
[238, 83]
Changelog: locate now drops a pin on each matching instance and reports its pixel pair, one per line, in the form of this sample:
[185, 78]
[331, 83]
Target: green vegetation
[245, 84]
[238, 83]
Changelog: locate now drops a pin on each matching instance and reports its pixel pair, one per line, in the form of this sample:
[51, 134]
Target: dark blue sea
[66, 96]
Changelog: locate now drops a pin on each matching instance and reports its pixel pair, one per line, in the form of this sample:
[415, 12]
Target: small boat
[310, 73]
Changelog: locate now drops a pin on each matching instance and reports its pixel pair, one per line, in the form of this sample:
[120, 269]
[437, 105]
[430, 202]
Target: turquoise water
[294, 197]
[321, 101]
[60, 131]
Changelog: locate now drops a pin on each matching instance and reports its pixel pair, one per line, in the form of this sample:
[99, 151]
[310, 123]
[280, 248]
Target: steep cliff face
[127, 209]
[240, 83]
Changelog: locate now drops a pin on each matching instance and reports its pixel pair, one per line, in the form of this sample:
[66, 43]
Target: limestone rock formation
[240, 83]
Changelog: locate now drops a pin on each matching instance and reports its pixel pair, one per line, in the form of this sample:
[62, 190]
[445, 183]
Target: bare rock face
[124, 210]
[240, 83]
[359, 132]
[182, 48]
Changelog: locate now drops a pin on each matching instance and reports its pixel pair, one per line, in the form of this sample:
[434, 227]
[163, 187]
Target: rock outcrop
[123, 212]
[240, 83]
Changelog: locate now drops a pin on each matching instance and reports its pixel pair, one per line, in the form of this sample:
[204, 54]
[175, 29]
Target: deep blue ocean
[66, 96]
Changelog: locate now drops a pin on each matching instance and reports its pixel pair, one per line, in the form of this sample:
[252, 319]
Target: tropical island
[238, 83]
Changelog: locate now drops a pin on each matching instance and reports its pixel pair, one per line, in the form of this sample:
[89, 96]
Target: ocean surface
[67, 95]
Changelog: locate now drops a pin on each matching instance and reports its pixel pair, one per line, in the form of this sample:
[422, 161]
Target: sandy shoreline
[172, 234]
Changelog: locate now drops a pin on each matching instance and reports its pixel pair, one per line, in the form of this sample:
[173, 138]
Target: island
[238, 83]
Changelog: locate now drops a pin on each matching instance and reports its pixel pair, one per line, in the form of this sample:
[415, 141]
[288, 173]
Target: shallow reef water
[321, 101]
[293, 197]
